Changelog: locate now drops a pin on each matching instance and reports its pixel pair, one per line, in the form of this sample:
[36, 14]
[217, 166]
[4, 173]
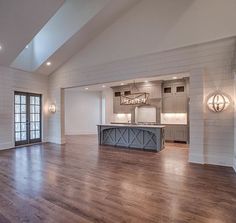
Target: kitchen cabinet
[176, 133]
[169, 133]
[153, 88]
[121, 109]
[175, 104]
[174, 97]
[168, 105]
[174, 87]
[180, 104]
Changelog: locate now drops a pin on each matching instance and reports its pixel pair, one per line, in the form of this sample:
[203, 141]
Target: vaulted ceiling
[20, 21]
[33, 32]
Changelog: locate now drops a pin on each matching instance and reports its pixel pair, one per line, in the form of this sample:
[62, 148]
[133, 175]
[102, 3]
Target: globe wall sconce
[52, 108]
[218, 102]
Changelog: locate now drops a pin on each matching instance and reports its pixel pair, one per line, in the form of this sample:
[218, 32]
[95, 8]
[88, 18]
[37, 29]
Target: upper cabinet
[153, 88]
[175, 96]
[171, 88]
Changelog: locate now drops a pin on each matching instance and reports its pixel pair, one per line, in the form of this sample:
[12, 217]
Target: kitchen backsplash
[121, 118]
[174, 118]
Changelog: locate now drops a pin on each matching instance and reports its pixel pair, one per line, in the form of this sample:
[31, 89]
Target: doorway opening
[27, 119]
[167, 104]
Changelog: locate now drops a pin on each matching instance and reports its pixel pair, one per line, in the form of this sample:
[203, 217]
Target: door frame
[28, 141]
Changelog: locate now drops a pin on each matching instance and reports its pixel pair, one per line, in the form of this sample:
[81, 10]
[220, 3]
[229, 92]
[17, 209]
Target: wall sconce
[52, 108]
[218, 102]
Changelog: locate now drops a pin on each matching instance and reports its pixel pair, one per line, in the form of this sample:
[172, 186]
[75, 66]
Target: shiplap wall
[210, 67]
[219, 127]
[196, 113]
[234, 161]
[14, 80]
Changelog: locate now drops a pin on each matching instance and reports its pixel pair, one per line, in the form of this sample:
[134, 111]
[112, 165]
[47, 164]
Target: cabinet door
[179, 88]
[180, 104]
[116, 105]
[167, 90]
[180, 133]
[168, 105]
[169, 132]
[153, 90]
[156, 91]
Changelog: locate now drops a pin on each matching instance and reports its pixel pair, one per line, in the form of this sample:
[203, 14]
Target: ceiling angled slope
[67, 21]
[71, 28]
[20, 21]
[104, 18]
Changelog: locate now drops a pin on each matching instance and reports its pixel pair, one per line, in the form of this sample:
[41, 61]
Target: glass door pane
[20, 119]
[35, 118]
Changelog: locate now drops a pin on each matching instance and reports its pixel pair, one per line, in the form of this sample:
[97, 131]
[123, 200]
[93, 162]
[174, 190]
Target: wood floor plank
[82, 182]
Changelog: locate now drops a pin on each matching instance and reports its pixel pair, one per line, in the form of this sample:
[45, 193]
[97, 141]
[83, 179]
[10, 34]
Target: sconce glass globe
[52, 108]
[218, 102]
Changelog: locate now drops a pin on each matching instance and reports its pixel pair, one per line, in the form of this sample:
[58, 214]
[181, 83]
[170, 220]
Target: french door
[27, 118]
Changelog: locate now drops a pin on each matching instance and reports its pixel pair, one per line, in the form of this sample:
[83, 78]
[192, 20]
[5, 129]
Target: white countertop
[133, 126]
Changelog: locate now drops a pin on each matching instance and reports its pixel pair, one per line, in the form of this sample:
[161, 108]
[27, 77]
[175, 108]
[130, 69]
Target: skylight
[68, 20]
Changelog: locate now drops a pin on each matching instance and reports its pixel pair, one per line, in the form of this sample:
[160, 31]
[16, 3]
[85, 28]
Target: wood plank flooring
[80, 182]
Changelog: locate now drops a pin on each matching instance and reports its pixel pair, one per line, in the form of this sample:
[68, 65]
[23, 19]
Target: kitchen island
[144, 137]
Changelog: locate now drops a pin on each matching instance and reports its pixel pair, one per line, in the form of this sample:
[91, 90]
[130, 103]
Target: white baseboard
[196, 158]
[7, 145]
[56, 140]
[234, 164]
[213, 160]
[219, 160]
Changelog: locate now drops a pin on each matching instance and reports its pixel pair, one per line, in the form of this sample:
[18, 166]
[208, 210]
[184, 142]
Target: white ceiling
[20, 21]
[67, 21]
[99, 22]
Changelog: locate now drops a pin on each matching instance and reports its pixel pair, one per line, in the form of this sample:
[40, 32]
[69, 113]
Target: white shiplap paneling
[210, 68]
[14, 80]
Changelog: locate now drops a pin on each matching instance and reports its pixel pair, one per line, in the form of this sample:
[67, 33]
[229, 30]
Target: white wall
[146, 42]
[107, 95]
[211, 134]
[234, 161]
[14, 80]
[82, 111]
[210, 67]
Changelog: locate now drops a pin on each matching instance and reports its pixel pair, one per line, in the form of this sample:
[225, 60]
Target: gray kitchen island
[144, 137]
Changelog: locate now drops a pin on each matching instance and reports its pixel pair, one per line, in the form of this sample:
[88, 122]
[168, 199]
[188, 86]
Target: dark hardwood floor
[80, 182]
